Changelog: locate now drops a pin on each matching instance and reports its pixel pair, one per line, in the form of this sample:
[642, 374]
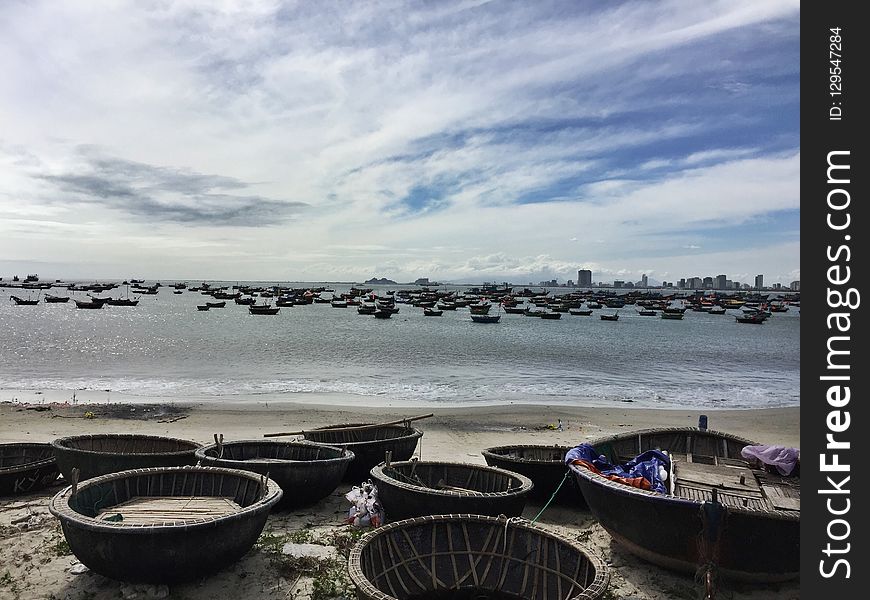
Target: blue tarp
[644, 465]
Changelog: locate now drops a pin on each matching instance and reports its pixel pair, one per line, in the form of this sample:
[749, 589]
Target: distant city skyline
[457, 140]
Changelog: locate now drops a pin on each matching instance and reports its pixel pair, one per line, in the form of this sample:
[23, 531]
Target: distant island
[381, 281]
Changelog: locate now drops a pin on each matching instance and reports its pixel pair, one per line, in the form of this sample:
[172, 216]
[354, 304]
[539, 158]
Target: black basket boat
[26, 467]
[544, 465]
[307, 472]
[758, 538]
[100, 454]
[471, 557]
[417, 489]
[369, 444]
[164, 524]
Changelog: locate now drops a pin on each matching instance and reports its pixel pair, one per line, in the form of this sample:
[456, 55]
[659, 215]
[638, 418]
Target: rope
[559, 487]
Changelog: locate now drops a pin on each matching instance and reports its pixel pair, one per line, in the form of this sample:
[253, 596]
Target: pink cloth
[784, 459]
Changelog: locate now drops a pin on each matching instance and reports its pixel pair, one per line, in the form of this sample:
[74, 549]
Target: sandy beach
[35, 562]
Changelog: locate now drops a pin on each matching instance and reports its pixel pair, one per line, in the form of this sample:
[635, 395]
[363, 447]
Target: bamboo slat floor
[154, 510]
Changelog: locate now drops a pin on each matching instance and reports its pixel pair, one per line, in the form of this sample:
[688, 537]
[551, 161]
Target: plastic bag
[365, 510]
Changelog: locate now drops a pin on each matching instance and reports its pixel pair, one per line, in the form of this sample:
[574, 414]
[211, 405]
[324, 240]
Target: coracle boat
[544, 465]
[26, 467]
[470, 557]
[307, 472]
[417, 489]
[95, 455]
[369, 444]
[164, 524]
[751, 516]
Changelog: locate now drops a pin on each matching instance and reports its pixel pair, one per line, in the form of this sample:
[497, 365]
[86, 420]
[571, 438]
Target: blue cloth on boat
[644, 465]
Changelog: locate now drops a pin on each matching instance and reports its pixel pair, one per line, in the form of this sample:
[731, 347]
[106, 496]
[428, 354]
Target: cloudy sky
[463, 141]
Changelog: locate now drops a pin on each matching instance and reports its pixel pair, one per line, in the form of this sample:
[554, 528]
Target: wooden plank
[717, 476]
[160, 509]
[785, 503]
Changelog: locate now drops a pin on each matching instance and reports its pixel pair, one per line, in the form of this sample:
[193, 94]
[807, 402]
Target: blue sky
[462, 141]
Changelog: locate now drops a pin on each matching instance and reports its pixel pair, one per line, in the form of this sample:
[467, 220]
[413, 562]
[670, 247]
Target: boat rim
[526, 485]
[60, 508]
[593, 590]
[493, 452]
[345, 454]
[58, 444]
[415, 433]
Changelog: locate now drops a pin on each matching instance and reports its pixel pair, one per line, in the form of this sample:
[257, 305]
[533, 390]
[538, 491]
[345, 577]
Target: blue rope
[559, 487]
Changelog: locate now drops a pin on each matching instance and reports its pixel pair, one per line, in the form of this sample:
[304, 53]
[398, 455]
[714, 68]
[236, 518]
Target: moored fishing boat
[431, 312]
[754, 318]
[202, 307]
[164, 524]
[675, 316]
[543, 465]
[751, 514]
[486, 318]
[91, 304]
[24, 301]
[580, 312]
[263, 309]
[26, 467]
[56, 299]
[95, 455]
[307, 472]
[421, 488]
[551, 315]
[368, 442]
[473, 557]
[613, 317]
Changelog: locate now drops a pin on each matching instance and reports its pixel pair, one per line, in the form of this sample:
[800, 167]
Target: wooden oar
[355, 427]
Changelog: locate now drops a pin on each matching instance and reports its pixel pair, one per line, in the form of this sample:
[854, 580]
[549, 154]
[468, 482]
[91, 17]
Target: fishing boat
[543, 465]
[369, 443]
[95, 455]
[366, 309]
[122, 302]
[56, 299]
[26, 467]
[414, 488]
[580, 312]
[91, 304]
[514, 310]
[263, 309]
[339, 304]
[717, 508]
[473, 557]
[165, 524]
[532, 313]
[24, 301]
[486, 318]
[754, 318]
[383, 313]
[717, 310]
[481, 308]
[676, 316]
[551, 315]
[306, 472]
[431, 312]
[646, 312]
[613, 317]
[202, 307]
[220, 304]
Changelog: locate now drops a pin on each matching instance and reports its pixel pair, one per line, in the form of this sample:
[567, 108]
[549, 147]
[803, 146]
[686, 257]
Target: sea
[165, 349]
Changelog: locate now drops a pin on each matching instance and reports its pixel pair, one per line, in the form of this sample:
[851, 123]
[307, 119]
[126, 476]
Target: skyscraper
[584, 278]
[759, 282]
[644, 281]
[720, 282]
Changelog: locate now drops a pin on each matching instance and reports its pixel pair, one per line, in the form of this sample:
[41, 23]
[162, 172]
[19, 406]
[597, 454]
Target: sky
[463, 141]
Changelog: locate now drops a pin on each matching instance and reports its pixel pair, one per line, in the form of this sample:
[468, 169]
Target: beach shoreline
[454, 434]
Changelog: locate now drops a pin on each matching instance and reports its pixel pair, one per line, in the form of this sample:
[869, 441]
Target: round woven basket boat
[26, 467]
[368, 443]
[471, 557]
[417, 488]
[164, 524]
[95, 455]
[544, 465]
[307, 472]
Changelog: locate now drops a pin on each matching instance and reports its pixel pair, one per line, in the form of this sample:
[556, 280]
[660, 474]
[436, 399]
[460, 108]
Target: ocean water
[165, 348]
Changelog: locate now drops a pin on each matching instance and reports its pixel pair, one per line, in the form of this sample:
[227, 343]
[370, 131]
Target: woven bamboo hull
[96, 455]
[307, 472]
[544, 465]
[755, 544]
[447, 556]
[500, 492]
[172, 551]
[26, 468]
[369, 445]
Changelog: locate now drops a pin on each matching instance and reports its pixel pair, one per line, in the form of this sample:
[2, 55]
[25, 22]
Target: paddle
[355, 427]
